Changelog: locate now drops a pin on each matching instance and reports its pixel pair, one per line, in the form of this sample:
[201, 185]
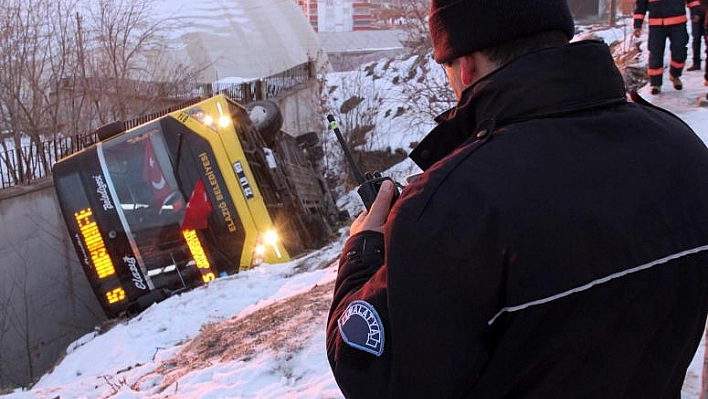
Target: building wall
[363, 18]
[334, 16]
[348, 15]
[309, 9]
[344, 15]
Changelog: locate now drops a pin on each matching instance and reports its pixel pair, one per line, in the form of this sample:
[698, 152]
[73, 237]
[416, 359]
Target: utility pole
[612, 20]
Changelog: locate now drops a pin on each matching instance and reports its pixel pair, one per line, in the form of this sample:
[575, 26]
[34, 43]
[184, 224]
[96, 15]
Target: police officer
[555, 245]
[667, 19]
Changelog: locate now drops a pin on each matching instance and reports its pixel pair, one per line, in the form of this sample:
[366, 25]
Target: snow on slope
[184, 347]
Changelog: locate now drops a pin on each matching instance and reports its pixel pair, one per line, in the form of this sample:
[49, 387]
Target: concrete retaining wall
[45, 299]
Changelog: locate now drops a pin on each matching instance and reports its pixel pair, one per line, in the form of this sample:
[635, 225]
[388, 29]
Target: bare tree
[424, 83]
[355, 108]
[129, 71]
[36, 47]
[17, 54]
[71, 65]
[421, 89]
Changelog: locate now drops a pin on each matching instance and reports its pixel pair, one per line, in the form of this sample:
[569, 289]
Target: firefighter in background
[704, 3]
[704, 7]
[667, 19]
[698, 31]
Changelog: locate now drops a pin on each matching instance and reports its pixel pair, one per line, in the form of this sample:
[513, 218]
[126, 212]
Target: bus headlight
[258, 253]
[209, 120]
[259, 250]
[270, 237]
[267, 240]
[203, 117]
[224, 121]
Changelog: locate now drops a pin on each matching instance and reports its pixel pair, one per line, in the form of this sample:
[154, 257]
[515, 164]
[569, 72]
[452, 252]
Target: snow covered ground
[260, 334]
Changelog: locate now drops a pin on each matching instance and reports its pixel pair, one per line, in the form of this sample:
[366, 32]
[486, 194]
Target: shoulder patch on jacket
[361, 328]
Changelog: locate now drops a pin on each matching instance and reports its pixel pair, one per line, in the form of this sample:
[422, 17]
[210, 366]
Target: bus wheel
[266, 118]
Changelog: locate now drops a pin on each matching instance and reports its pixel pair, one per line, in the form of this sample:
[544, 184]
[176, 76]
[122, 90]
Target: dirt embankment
[274, 327]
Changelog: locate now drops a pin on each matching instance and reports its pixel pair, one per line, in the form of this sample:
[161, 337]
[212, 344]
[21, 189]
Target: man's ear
[468, 68]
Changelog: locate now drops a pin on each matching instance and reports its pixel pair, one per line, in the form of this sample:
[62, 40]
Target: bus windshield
[152, 205]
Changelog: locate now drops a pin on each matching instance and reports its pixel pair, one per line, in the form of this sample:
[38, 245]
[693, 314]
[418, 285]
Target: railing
[34, 161]
[29, 162]
[261, 89]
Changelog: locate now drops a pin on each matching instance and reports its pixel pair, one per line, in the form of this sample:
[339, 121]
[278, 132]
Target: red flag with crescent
[152, 173]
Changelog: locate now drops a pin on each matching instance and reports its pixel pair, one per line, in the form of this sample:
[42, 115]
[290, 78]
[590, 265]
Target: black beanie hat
[460, 27]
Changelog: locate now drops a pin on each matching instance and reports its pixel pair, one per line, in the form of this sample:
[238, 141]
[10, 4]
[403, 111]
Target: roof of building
[243, 39]
[361, 41]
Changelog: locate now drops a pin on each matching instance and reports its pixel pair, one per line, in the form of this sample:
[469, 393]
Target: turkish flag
[152, 173]
[198, 209]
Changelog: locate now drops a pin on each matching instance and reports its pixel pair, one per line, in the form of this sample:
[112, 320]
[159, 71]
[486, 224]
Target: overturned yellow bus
[189, 196]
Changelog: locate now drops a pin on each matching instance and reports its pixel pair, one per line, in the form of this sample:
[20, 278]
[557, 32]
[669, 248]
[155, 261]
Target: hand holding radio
[375, 218]
[369, 183]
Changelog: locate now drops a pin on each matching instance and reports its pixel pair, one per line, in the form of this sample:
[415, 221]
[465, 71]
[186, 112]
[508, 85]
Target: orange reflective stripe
[668, 21]
[675, 20]
[677, 64]
[695, 3]
[639, 17]
[655, 71]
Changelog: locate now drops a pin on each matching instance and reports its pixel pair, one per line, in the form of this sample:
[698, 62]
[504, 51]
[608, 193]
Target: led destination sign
[94, 243]
[200, 258]
[116, 295]
[96, 248]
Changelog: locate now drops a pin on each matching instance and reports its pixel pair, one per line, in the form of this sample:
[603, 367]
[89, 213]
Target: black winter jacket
[555, 247]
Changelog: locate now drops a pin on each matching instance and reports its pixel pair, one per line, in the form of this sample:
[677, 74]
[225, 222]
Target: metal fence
[19, 166]
[29, 162]
[261, 89]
